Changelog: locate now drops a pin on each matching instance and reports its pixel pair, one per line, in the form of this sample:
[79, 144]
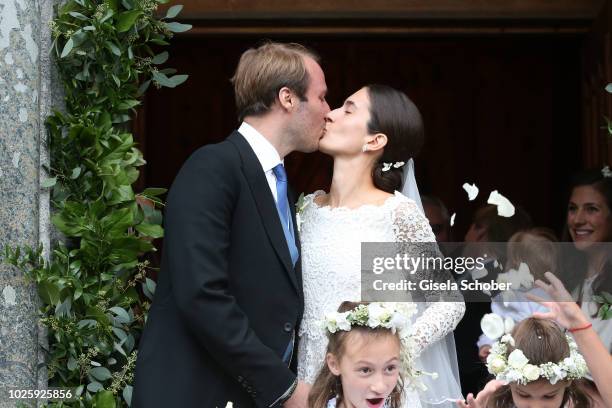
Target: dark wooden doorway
[501, 98]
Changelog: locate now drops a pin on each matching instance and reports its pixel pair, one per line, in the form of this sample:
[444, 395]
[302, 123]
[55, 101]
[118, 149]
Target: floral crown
[515, 367]
[392, 316]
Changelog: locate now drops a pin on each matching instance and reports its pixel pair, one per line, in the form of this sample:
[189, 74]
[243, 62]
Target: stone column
[28, 91]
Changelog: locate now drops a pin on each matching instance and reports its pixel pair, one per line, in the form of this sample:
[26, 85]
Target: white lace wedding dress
[331, 246]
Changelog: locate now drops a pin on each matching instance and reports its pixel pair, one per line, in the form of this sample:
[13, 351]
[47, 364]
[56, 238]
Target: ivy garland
[89, 288]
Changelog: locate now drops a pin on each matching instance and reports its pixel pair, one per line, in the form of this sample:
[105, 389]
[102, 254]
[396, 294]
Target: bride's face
[346, 130]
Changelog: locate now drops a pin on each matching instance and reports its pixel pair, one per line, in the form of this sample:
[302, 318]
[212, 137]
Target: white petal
[471, 190]
[504, 206]
[492, 325]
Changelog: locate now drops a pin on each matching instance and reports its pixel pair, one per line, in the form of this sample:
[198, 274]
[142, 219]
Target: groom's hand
[299, 398]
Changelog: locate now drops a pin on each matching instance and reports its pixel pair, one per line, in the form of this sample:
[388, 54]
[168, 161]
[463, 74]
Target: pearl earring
[364, 148]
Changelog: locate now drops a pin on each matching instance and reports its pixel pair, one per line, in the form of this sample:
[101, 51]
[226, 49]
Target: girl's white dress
[331, 266]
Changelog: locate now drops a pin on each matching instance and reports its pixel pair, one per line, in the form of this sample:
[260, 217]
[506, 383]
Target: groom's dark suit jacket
[228, 298]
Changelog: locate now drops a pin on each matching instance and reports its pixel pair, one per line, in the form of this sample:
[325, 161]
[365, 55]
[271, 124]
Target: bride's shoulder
[404, 201]
[317, 196]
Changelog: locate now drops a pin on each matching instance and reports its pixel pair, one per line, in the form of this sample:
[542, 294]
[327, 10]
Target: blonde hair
[327, 385]
[264, 70]
[536, 248]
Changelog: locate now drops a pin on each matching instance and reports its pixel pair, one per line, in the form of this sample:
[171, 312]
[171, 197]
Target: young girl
[366, 361]
[536, 249]
[536, 366]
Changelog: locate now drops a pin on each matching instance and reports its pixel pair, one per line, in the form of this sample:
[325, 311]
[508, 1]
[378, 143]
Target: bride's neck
[351, 185]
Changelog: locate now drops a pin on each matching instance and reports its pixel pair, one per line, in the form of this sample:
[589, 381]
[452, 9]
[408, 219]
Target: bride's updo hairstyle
[395, 115]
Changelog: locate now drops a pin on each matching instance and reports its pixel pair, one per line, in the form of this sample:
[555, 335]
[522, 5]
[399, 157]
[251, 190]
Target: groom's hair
[264, 70]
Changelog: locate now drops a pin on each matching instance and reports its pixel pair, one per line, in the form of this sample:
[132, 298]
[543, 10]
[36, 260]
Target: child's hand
[563, 309]
[483, 352]
[482, 399]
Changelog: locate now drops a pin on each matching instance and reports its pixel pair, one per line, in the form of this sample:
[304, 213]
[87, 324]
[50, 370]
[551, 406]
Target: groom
[229, 299]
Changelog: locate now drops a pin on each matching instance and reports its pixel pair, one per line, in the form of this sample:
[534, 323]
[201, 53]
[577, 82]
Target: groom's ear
[332, 364]
[377, 142]
[287, 98]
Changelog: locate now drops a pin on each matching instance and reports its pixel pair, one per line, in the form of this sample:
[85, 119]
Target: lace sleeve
[443, 308]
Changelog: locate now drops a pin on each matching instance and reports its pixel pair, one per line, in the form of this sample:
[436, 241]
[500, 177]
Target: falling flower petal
[492, 325]
[452, 219]
[471, 190]
[504, 206]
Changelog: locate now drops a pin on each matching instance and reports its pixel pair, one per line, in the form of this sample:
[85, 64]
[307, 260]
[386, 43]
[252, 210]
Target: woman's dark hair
[575, 264]
[541, 341]
[395, 115]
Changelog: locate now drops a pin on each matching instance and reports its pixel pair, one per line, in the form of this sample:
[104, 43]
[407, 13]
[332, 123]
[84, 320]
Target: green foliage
[91, 285]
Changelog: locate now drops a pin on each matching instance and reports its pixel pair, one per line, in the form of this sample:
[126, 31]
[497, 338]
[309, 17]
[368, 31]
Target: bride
[369, 137]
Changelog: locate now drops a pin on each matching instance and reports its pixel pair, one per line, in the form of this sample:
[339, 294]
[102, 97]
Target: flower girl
[536, 366]
[367, 357]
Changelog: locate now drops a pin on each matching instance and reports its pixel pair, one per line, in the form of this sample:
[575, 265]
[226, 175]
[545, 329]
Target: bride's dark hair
[395, 115]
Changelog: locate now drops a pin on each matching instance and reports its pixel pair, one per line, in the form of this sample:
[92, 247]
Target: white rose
[330, 322]
[342, 322]
[517, 359]
[507, 338]
[398, 322]
[496, 365]
[377, 314]
[492, 325]
[531, 372]
[229, 405]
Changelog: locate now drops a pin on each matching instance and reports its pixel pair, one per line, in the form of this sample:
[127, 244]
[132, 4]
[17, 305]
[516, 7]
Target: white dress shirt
[266, 153]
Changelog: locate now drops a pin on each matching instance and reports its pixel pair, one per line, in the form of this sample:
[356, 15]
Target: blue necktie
[282, 205]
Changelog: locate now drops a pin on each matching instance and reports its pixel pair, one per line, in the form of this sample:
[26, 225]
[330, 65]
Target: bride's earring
[364, 148]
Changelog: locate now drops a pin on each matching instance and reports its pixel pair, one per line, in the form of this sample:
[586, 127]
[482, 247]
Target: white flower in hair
[378, 316]
[386, 166]
[606, 172]
[531, 372]
[496, 363]
[398, 164]
[517, 359]
[337, 321]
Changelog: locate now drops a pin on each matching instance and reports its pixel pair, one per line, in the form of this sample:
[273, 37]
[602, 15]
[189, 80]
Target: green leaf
[150, 230]
[126, 20]
[178, 79]
[49, 292]
[609, 88]
[78, 15]
[159, 41]
[76, 172]
[151, 285]
[67, 48]
[94, 386]
[89, 323]
[160, 58]
[174, 11]
[121, 314]
[178, 27]
[114, 49]
[50, 182]
[607, 296]
[100, 373]
[127, 394]
[154, 191]
[72, 364]
[128, 104]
